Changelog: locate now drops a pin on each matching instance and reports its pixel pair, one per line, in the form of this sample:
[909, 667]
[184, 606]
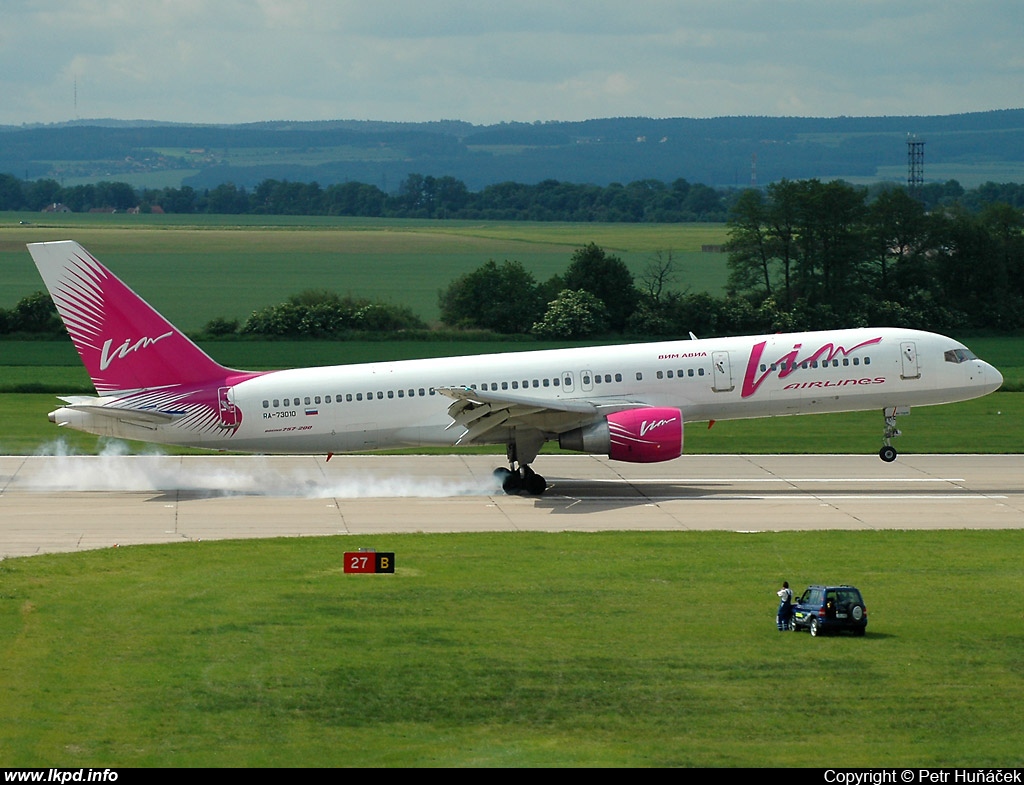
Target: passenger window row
[788, 366]
[681, 373]
[379, 395]
[586, 379]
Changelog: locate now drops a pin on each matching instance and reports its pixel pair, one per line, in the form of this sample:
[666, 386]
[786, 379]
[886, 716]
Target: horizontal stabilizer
[146, 417]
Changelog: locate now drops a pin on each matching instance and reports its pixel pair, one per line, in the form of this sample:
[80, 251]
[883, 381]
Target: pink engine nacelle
[635, 435]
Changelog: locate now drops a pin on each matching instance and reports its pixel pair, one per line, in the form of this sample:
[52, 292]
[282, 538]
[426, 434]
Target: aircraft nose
[990, 377]
[986, 377]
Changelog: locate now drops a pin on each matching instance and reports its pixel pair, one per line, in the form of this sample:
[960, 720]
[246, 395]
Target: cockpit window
[960, 355]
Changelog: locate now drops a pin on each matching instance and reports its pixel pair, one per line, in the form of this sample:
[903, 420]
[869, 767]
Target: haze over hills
[726, 151]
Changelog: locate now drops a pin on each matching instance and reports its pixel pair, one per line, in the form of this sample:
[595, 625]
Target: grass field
[193, 271]
[629, 649]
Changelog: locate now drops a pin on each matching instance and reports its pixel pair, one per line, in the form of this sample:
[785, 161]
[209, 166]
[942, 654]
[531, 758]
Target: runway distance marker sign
[369, 562]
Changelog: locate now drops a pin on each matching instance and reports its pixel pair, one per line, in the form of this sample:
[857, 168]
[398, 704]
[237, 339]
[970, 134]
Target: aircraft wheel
[512, 484]
[887, 453]
[535, 484]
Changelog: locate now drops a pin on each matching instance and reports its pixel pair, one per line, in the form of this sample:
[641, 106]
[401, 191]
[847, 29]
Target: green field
[528, 649]
[196, 268]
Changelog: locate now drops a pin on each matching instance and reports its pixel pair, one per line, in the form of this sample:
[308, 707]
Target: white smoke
[56, 468]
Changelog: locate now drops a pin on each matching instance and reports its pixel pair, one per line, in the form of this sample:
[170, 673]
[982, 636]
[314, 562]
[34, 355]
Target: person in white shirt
[784, 617]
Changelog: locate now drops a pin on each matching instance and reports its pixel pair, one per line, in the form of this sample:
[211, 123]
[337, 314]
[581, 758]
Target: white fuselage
[371, 406]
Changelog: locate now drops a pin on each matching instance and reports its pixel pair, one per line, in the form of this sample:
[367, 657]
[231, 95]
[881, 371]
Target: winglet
[123, 342]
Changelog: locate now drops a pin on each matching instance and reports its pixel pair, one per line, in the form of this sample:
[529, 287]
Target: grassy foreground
[628, 649]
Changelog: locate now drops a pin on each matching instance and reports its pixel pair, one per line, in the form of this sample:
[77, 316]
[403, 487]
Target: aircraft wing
[479, 412]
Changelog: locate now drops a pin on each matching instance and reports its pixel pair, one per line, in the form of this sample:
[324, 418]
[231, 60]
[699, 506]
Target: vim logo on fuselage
[791, 361]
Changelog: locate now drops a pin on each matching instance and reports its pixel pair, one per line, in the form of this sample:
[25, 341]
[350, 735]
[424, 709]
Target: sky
[484, 62]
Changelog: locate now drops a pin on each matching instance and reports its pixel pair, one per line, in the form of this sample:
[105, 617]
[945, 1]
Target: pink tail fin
[124, 343]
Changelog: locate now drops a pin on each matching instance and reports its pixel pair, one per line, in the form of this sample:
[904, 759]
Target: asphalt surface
[54, 504]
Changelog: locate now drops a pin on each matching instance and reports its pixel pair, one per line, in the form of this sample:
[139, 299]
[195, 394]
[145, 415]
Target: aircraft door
[226, 409]
[586, 381]
[911, 368]
[567, 381]
[721, 371]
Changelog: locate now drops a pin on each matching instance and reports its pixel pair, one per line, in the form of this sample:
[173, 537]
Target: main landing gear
[888, 452]
[519, 478]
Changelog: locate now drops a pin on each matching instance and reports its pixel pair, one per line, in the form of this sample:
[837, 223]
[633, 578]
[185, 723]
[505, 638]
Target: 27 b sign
[369, 562]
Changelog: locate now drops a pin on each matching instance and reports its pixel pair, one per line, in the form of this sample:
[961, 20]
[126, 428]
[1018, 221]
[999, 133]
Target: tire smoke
[55, 468]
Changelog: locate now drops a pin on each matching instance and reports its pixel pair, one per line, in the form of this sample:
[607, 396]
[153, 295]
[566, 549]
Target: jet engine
[634, 435]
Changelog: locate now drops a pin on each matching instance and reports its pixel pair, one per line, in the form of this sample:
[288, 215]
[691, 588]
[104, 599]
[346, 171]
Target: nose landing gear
[888, 452]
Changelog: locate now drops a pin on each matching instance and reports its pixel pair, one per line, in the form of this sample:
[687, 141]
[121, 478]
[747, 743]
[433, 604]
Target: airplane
[627, 402]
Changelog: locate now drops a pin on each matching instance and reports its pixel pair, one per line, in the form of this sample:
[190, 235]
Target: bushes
[573, 315]
[504, 298]
[323, 314]
[34, 314]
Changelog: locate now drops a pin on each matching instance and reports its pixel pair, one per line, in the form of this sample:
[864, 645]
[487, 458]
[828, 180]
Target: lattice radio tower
[915, 164]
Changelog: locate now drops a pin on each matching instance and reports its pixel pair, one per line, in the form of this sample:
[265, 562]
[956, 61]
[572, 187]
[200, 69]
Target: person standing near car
[784, 618]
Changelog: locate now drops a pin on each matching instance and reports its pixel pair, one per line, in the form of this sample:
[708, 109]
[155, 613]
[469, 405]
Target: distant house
[57, 207]
[156, 209]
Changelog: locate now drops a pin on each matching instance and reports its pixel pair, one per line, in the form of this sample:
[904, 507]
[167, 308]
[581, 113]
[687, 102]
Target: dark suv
[824, 609]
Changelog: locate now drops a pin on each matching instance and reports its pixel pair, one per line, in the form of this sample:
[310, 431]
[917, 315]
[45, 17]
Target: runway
[56, 504]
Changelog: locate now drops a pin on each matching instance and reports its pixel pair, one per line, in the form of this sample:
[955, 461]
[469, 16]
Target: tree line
[802, 255]
[426, 196]
[815, 254]
[418, 196]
